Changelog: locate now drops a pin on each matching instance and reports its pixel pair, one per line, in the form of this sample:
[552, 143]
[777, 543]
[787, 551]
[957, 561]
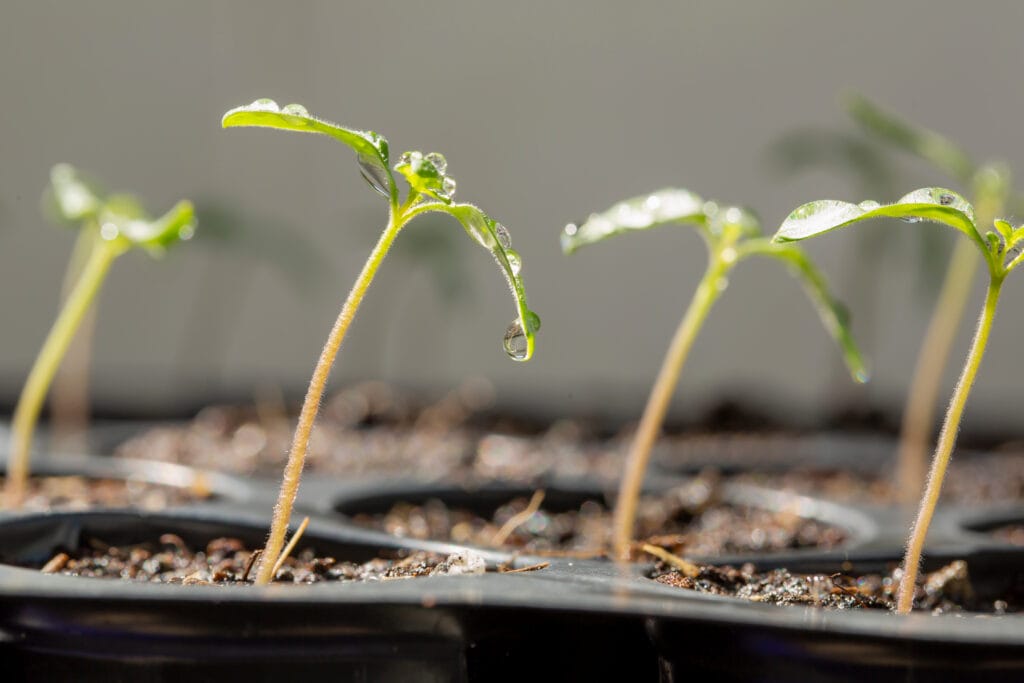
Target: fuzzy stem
[311, 404]
[919, 415]
[944, 449]
[657, 404]
[78, 303]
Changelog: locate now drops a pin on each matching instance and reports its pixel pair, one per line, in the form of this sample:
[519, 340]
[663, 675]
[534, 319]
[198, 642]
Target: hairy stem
[657, 404]
[919, 414]
[311, 404]
[33, 394]
[944, 448]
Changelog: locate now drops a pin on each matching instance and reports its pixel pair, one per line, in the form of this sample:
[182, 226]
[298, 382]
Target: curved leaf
[124, 221]
[832, 312]
[924, 143]
[73, 198]
[934, 204]
[639, 213]
[519, 339]
[371, 149]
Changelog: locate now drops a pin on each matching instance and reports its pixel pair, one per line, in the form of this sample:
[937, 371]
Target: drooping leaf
[518, 340]
[924, 143]
[832, 312]
[371, 149]
[123, 220]
[934, 204]
[639, 213]
[72, 197]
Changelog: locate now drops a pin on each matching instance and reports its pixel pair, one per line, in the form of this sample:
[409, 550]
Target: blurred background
[546, 112]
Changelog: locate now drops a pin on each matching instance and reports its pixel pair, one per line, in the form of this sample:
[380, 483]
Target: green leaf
[519, 338]
[73, 198]
[924, 143]
[123, 220]
[371, 149]
[639, 213]
[1004, 228]
[934, 204]
[426, 174]
[832, 312]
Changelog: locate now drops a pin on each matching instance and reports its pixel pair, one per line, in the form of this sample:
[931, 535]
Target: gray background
[545, 111]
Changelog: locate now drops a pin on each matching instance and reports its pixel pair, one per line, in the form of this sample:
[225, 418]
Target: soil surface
[227, 561]
[947, 590]
[691, 519]
[81, 493]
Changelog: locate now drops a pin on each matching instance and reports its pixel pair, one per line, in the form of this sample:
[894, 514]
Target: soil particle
[946, 590]
[226, 561]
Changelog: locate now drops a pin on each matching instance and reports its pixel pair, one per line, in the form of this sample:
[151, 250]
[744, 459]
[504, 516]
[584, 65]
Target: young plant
[1001, 252]
[731, 235]
[430, 190]
[109, 227]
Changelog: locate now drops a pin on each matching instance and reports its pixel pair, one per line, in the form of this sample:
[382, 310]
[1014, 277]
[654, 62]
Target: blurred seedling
[731, 235]
[109, 226]
[430, 190]
[1000, 250]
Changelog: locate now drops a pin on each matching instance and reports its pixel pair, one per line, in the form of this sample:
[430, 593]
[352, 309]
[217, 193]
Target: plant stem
[919, 415]
[78, 303]
[944, 449]
[661, 395]
[311, 404]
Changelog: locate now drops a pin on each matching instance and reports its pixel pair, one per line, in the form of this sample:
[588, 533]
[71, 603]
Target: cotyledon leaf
[929, 145]
[123, 220]
[371, 149]
[518, 340]
[832, 312]
[934, 204]
[74, 198]
[639, 213]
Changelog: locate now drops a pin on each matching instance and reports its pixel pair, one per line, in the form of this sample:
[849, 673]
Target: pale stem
[658, 402]
[944, 449]
[33, 394]
[919, 415]
[311, 404]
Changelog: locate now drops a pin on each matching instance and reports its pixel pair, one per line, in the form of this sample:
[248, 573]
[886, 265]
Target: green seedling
[1001, 252]
[430, 190]
[109, 227]
[731, 235]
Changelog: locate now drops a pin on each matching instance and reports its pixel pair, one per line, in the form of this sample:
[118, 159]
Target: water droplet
[946, 199]
[721, 284]
[109, 231]
[295, 110]
[869, 205]
[532, 321]
[374, 174]
[186, 232]
[571, 229]
[447, 188]
[911, 219]
[710, 208]
[728, 255]
[264, 104]
[439, 162]
[514, 260]
[406, 158]
[733, 215]
[476, 226]
[504, 238]
[861, 376]
[515, 342]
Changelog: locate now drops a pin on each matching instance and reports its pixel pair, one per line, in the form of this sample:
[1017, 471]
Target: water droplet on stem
[504, 238]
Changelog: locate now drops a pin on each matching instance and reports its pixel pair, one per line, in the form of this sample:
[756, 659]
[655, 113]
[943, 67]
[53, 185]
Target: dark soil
[227, 561]
[81, 493]
[690, 519]
[947, 590]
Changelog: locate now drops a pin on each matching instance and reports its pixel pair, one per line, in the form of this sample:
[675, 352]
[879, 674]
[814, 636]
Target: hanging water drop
[515, 261]
[264, 104]
[374, 174]
[447, 188]
[186, 232]
[504, 238]
[295, 110]
[515, 342]
[911, 219]
[439, 162]
[946, 199]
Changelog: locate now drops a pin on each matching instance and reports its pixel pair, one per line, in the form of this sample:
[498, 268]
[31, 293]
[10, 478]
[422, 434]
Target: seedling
[1001, 252]
[109, 227]
[731, 235]
[430, 190]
